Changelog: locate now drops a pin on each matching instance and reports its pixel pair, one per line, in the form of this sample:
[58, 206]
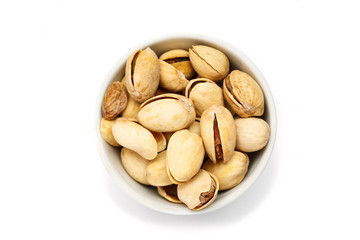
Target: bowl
[148, 195]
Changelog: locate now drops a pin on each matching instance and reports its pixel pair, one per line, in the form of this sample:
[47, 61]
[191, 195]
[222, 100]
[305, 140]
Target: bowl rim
[270, 105]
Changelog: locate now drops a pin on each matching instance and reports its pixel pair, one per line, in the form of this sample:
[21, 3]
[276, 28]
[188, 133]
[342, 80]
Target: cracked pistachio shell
[142, 74]
[231, 173]
[195, 127]
[209, 62]
[135, 165]
[179, 59]
[252, 134]
[156, 174]
[132, 108]
[185, 155]
[168, 135]
[204, 93]
[218, 133]
[167, 113]
[115, 100]
[130, 134]
[171, 79]
[200, 191]
[243, 94]
[106, 132]
[169, 193]
[160, 140]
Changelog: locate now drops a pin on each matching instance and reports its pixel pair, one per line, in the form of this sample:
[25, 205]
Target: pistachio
[156, 174]
[252, 134]
[195, 127]
[231, 173]
[243, 94]
[135, 165]
[130, 134]
[204, 93]
[209, 62]
[106, 132]
[168, 135]
[200, 191]
[218, 133]
[132, 108]
[142, 74]
[185, 154]
[179, 59]
[160, 140]
[167, 113]
[169, 193]
[115, 100]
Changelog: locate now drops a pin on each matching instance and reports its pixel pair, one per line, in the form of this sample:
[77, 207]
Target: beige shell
[231, 173]
[130, 134]
[135, 165]
[115, 100]
[156, 174]
[142, 74]
[195, 127]
[243, 94]
[168, 135]
[160, 140]
[106, 132]
[209, 62]
[200, 191]
[252, 134]
[179, 59]
[204, 93]
[171, 79]
[169, 193]
[185, 155]
[132, 108]
[167, 113]
[218, 133]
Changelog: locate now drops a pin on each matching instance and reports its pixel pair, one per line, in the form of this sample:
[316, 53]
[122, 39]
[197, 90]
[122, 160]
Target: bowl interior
[147, 195]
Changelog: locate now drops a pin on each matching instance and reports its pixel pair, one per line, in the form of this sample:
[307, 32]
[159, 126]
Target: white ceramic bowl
[147, 195]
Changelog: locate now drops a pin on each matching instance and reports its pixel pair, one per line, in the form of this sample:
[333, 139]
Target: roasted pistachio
[167, 113]
[218, 133]
[115, 100]
[231, 173]
[156, 174]
[142, 74]
[135, 165]
[160, 140]
[243, 94]
[195, 127]
[179, 59]
[106, 132]
[169, 193]
[132, 108]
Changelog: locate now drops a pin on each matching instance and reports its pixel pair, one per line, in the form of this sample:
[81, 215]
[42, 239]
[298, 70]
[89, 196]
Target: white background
[54, 56]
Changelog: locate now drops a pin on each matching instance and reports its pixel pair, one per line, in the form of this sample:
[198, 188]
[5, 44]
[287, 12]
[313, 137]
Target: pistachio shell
[170, 78]
[243, 94]
[195, 127]
[160, 140]
[106, 132]
[179, 59]
[218, 133]
[142, 74]
[231, 173]
[185, 154]
[167, 113]
[200, 191]
[204, 93]
[135, 165]
[129, 134]
[209, 62]
[132, 108]
[168, 135]
[115, 100]
[156, 174]
[252, 134]
[169, 193]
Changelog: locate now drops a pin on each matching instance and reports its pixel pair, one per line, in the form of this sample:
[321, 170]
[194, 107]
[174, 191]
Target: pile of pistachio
[185, 123]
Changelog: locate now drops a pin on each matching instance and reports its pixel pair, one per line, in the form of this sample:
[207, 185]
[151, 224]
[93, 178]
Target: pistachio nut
[179, 59]
[185, 155]
[115, 100]
[106, 132]
[243, 94]
[200, 191]
[160, 140]
[156, 174]
[209, 62]
[204, 93]
[132, 108]
[166, 113]
[252, 134]
[195, 127]
[142, 74]
[218, 133]
[135, 165]
[130, 134]
[169, 193]
[231, 173]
